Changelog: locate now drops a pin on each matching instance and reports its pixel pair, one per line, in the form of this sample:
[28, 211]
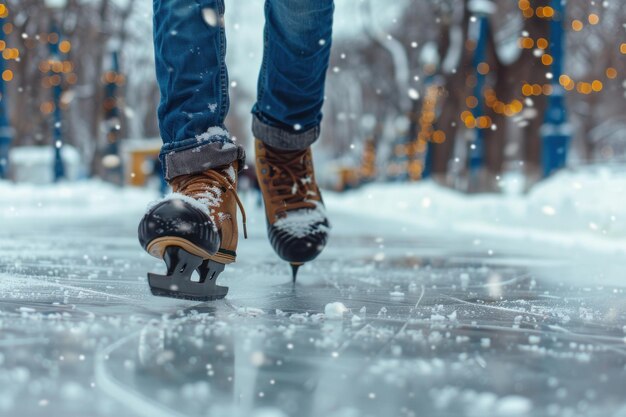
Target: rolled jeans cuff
[201, 158]
[283, 139]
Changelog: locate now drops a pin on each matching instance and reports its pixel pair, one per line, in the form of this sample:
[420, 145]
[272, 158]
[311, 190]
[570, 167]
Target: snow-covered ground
[423, 304]
[582, 208]
[585, 207]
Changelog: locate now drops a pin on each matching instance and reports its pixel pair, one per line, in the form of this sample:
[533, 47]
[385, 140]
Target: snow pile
[335, 311]
[81, 199]
[473, 403]
[586, 207]
[34, 164]
[303, 222]
[513, 405]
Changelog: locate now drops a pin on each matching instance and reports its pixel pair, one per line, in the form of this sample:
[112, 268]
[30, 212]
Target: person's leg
[286, 122]
[190, 48]
[298, 34]
[195, 227]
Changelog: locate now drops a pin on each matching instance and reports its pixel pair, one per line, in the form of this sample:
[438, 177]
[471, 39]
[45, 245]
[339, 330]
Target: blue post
[555, 132]
[428, 159]
[476, 151]
[115, 172]
[57, 118]
[111, 88]
[6, 132]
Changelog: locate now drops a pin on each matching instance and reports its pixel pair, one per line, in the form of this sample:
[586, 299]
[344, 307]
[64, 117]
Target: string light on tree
[427, 133]
[542, 44]
[8, 54]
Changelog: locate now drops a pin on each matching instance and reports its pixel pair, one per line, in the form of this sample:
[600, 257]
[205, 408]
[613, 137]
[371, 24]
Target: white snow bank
[35, 164]
[81, 199]
[586, 207]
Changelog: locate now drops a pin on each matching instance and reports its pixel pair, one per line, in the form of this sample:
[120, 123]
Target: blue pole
[112, 117]
[476, 151]
[555, 132]
[57, 117]
[428, 159]
[6, 132]
[111, 88]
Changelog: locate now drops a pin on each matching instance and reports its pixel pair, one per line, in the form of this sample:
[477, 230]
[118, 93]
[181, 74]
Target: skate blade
[178, 283]
[294, 270]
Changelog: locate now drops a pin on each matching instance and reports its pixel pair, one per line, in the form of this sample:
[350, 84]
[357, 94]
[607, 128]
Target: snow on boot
[194, 229]
[296, 219]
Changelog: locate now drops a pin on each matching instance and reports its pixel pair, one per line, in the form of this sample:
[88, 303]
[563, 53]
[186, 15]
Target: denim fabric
[190, 49]
[290, 93]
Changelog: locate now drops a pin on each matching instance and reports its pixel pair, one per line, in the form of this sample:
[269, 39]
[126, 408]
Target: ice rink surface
[434, 325]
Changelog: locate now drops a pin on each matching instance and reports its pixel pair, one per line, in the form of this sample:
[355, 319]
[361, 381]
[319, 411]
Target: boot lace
[208, 187]
[290, 182]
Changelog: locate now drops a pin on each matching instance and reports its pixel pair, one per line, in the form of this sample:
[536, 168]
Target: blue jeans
[190, 48]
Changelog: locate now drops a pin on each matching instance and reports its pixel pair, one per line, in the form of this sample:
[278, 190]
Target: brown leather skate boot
[194, 229]
[297, 225]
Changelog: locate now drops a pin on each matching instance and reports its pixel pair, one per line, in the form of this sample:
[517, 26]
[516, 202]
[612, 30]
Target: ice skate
[297, 225]
[194, 229]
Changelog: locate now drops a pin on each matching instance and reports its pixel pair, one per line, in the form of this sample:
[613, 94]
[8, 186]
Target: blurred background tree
[401, 97]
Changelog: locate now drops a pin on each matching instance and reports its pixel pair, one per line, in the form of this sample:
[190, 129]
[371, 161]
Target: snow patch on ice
[513, 405]
[437, 317]
[250, 312]
[268, 412]
[396, 295]
[480, 403]
[335, 311]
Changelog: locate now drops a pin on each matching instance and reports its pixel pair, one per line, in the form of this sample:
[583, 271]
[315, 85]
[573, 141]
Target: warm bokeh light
[483, 68]
[584, 87]
[527, 43]
[71, 79]
[611, 73]
[53, 38]
[542, 43]
[545, 12]
[547, 59]
[439, 136]
[7, 75]
[47, 107]
[65, 47]
[597, 86]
